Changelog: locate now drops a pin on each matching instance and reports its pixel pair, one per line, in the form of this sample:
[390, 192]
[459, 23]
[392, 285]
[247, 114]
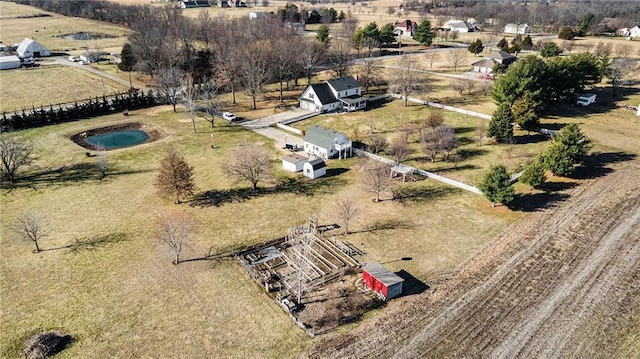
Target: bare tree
[376, 178]
[229, 54]
[406, 79]
[15, 153]
[339, 58]
[175, 230]
[622, 50]
[254, 69]
[617, 70]
[567, 46]
[30, 226]
[189, 98]
[175, 177]
[101, 162]
[284, 57]
[602, 49]
[457, 57]
[169, 83]
[435, 118]
[399, 149]
[431, 143]
[367, 71]
[377, 143]
[432, 56]
[209, 94]
[250, 163]
[346, 209]
[310, 57]
[448, 139]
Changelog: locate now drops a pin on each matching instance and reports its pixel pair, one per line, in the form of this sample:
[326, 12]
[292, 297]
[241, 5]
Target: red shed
[382, 280]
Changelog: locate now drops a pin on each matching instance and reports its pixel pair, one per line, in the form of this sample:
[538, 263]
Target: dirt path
[563, 282]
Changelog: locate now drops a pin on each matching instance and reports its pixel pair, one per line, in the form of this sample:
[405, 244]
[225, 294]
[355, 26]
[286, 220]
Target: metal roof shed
[381, 280]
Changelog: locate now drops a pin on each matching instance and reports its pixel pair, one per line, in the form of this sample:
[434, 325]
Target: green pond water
[118, 139]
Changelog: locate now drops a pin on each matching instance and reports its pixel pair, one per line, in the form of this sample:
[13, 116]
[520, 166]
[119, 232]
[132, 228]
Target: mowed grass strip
[45, 85]
[119, 295]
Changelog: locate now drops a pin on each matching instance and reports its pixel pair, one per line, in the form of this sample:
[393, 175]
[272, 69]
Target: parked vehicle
[586, 99]
[229, 116]
[488, 77]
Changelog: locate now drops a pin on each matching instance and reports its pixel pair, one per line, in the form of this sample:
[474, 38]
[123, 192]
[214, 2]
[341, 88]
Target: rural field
[555, 274]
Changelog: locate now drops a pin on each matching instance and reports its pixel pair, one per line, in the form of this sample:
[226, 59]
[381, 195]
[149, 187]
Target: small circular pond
[117, 136]
[120, 139]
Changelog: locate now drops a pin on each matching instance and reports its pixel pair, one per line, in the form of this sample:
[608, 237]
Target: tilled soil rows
[561, 282]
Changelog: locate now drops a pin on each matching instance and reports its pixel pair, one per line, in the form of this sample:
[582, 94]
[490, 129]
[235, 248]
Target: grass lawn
[116, 290]
[70, 84]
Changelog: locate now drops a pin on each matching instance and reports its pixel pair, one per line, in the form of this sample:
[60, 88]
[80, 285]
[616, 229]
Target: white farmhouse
[31, 48]
[634, 32]
[517, 29]
[338, 94]
[326, 143]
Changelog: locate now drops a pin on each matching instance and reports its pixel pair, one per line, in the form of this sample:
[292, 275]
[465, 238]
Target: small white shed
[315, 168]
[293, 162]
[9, 62]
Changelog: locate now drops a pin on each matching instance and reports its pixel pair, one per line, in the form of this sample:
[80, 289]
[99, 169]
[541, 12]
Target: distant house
[502, 57]
[405, 28]
[517, 29]
[458, 26]
[258, 14]
[293, 162]
[9, 62]
[625, 31]
[315, 168]
[338, 94]
[31, 48]
[484, 66]
[295, 26]
[634, 32]
[382, 281]
[326, 143]
[194, 4]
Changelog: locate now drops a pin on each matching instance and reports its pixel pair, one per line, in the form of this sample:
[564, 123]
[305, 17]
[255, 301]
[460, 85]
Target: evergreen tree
[529, 74]
[577, 143]
[527, 43]
[322, 34]
[550, 49]
[476, 47]
[524, 113]
[500, 125]
[566, 150]
[128, 59]
[503, 44]
[496, 185]
[558, 160]
[533, 174]
[175, 178]
[423, 33]
[387, 36]
[566, 33]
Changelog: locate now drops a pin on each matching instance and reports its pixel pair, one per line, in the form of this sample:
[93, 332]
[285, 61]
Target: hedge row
[92, 107]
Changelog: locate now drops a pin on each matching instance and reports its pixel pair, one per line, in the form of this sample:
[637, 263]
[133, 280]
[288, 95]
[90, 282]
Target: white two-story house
[338, 94]
[326, 143]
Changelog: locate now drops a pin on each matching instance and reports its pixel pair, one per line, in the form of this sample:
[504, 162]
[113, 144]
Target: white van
[229, 116]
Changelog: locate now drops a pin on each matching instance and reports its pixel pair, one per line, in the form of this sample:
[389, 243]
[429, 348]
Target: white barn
[293, 162]
[325, 143]
[517, 29]
[338, 94]
[458, 26]
[31, 48]
[9, 62]
[315, 168]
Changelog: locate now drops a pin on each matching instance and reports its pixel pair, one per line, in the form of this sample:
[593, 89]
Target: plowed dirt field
[563, 282]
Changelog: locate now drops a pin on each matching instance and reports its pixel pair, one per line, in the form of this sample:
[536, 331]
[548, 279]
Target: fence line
[444, 107]
[431, 175]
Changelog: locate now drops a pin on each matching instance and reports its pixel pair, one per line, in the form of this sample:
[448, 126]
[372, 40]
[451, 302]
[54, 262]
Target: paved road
[264, 127]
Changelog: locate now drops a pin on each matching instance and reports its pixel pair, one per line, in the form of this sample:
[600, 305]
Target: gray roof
[343, 83]
[500, 55]
[317, 163]
[324, 93]
[489, 63]
[294, 158]
[353, 99]
[321, 136]
[382, 274]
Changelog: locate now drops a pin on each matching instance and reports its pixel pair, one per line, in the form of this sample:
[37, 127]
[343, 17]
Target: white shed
[293, 162]
[31, 48]
[9, 62]
[315, 168]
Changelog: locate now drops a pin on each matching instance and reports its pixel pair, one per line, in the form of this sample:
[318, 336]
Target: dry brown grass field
[33, 87]
[117, 292]
[47, 30]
